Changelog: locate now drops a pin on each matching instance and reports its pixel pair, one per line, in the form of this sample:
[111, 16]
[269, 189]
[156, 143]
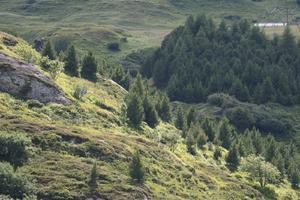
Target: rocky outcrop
[25, 81]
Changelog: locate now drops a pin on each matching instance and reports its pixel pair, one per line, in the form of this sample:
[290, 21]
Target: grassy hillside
[92, 24]
[67, 140]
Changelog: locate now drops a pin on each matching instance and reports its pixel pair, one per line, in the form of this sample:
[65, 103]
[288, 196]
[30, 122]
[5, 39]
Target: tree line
[280, 159]
[202, 58]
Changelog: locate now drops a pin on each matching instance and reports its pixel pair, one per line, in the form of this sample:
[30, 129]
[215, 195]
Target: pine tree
[93, 177]
[135, 110]
[136, 168]
[201, 138]
[89, 67]
[180, 119]
[233, 158]
[151, 116]
[48, 51]
[295, 178]
[208, 128]
[225, 135]
[190, 142]
[217, 153]
[71, 62]
[191, 117]
[139, 87]
[165, 110]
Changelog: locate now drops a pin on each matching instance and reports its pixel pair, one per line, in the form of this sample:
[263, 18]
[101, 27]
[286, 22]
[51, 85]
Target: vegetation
[93, 178]
[64, 142]
[48, 51]
[260, 170]
[13, 183]
[137, 171]
[14, 148]
[89, 67]
[80, 91]
[71, 62]
[193, 59]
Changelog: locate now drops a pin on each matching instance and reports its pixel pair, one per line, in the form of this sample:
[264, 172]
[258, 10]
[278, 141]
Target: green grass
[67, 140]
[92, 24]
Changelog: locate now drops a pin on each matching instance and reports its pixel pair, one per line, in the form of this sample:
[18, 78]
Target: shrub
[241, 118]
[136, 168]
[32, 103]
[171, 139]
[80, 91]
[260, 170]
[113, 46]
[93, 177]
[14, 148]
[217, 153]
[56, 68]
[28, 53]
[9, 41]
[12, 183]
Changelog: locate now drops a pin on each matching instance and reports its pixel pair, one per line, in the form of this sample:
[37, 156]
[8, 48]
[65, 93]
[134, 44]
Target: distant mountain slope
[92, 24]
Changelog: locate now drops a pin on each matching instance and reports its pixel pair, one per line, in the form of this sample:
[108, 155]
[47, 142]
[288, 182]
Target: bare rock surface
[24, 80]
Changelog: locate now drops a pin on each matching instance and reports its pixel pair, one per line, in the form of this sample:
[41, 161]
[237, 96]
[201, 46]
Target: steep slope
[67, 140]
[92, 24]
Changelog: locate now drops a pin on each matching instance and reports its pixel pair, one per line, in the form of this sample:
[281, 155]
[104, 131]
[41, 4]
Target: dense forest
[202, 58]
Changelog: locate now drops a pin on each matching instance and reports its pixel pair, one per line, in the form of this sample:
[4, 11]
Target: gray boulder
[25, 81]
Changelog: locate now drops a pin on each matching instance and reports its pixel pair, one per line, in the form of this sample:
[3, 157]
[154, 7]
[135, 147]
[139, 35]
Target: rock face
[26, 81]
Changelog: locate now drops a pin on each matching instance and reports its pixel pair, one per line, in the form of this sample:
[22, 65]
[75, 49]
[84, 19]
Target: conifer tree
[191, 117]
[89, 67]
[233, 158]
[180, 121]
[165, 110]
[93, 177]
[217, 153]
[136, 168]
[71, 62]
[48, 51]
[208, 128]
[190, 142]
[151, 116]
[201, 139]
[225, 135]
[135, 110]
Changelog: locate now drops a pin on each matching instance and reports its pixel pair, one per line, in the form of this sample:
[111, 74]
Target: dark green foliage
[135, 110]
[165, 110]
[217, 153]
[80, 91]
[113, 46]
[233, 158]
[136, 168]
[191, 142]
[122, 78]
[71, 62]
[89, 67]
[240, 118]
[14, 148]
[199, 59]
[13, 183]
[48, 51]
[201, 139]
[93, 177]
[191, 117]
[226, 134]
[151, 116]
[209, 129]
[180, 121]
